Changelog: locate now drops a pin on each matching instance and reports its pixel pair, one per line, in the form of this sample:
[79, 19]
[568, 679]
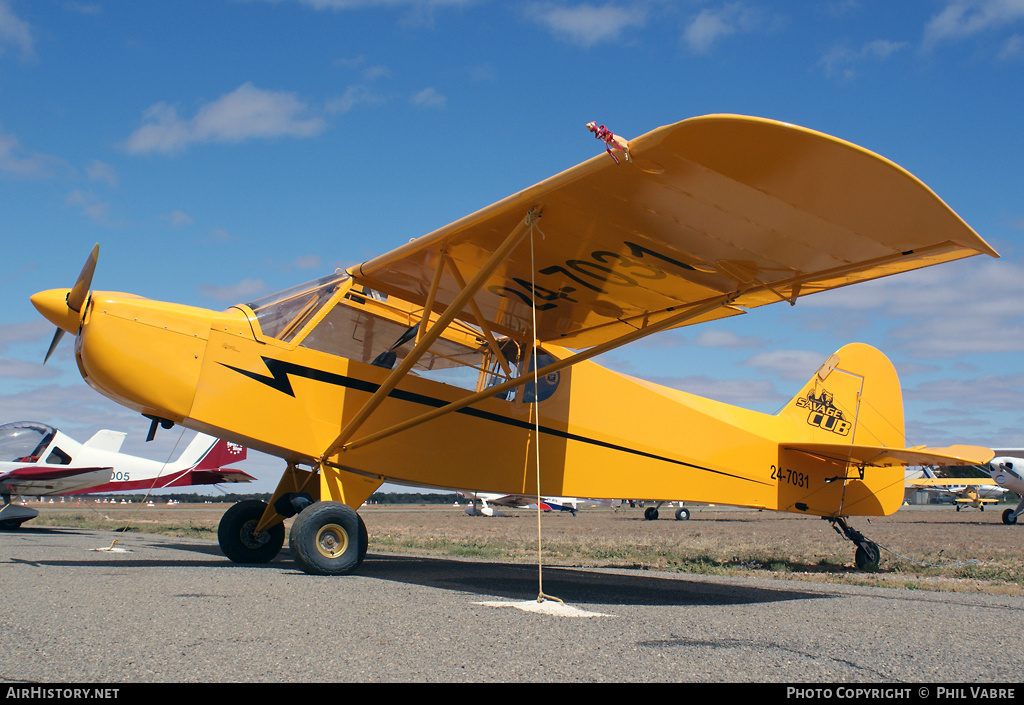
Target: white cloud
[710, 25]
[245, 113]
[15, 160]
[178, 218]
[967, 307]
[961, 19]
[15, 32]
[841, 60]
[726, 339]
[90, 206]
[1012, 48]
[587, 24]
[99, 171]
[353, 96]
[745, 393]
[429, 98]
[31, 332]
[417, 12]
[793, 365]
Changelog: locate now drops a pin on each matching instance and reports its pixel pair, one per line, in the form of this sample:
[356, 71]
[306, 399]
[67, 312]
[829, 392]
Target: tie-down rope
[536, 419]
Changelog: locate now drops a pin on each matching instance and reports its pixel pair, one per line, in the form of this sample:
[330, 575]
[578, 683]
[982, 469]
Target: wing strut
[693, 312]
[429, 337]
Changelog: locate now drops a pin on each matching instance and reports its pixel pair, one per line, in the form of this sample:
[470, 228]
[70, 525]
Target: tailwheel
[239, 539]
[328, 538]
[868, 554]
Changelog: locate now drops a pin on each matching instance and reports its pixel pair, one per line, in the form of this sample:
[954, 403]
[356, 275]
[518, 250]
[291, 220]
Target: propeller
[75, 300]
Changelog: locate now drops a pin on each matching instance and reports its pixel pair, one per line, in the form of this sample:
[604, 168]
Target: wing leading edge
[716, 214]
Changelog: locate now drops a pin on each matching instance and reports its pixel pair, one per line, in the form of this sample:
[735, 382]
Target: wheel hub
[331, 541]
[249, 537]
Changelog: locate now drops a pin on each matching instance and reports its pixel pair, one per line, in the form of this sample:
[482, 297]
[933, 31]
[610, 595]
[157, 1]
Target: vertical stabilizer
[853, 401]
[222, 453]
[853, 398]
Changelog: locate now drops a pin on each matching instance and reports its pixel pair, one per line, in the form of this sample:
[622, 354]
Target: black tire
[10, 524]
[651, 513]
[328, 538]
[867, 557]
[237, 539]
[682, 514]
[1008, 518]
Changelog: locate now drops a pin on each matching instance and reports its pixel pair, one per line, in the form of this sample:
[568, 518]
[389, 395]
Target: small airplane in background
[973, 492]
[39, 460]
[483, 503]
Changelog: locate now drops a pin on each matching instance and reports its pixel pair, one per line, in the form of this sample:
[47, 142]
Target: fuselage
[602, 434]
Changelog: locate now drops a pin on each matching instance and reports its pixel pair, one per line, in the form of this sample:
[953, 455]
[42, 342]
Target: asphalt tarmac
[162, 609]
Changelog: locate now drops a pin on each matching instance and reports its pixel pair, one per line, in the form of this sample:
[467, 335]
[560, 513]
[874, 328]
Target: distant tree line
[195, 498]
[413, 498]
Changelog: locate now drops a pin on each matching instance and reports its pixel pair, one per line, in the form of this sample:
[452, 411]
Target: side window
[546, 385]
[538, 392]
[58, 457]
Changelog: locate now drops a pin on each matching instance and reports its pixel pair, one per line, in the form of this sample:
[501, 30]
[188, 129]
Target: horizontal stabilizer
[221, 476]
[880, 456]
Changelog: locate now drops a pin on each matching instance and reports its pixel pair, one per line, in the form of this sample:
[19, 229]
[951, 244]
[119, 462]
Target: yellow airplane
[966, 491]
[462, 359]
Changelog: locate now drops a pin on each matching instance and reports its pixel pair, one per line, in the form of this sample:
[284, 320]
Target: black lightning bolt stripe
[280, 371]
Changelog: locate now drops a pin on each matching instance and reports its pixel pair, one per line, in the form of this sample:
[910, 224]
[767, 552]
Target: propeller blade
[53, 343]
[76, 299]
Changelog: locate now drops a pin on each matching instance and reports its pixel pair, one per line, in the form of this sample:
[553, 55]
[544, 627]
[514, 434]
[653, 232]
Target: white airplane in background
[483, 503]
[1007, 469]
[39, 460]
[966, 491]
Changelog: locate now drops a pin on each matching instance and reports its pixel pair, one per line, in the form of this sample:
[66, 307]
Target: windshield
[24, 441]
[283, 314]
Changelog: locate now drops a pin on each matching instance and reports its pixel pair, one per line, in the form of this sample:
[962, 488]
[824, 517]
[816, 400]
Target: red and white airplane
[483, 503]
[39, 460]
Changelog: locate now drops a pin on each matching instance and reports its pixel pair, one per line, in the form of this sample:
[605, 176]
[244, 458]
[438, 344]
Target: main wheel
[1008, 517]
[237, 535]
[328, 538]
[651, 513]
[682, 514]
[867, 557]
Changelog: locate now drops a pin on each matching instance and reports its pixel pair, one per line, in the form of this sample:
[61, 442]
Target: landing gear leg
[1010, 515]
[867, 555]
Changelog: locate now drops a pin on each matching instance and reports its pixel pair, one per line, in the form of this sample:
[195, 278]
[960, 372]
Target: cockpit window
[24, 441]
[58, 457]
[283, 314]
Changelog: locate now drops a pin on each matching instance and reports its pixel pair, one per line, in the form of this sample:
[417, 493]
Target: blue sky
[222, 149]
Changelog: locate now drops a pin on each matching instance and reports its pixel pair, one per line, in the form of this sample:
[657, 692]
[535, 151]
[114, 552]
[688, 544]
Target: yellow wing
[713, 214]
